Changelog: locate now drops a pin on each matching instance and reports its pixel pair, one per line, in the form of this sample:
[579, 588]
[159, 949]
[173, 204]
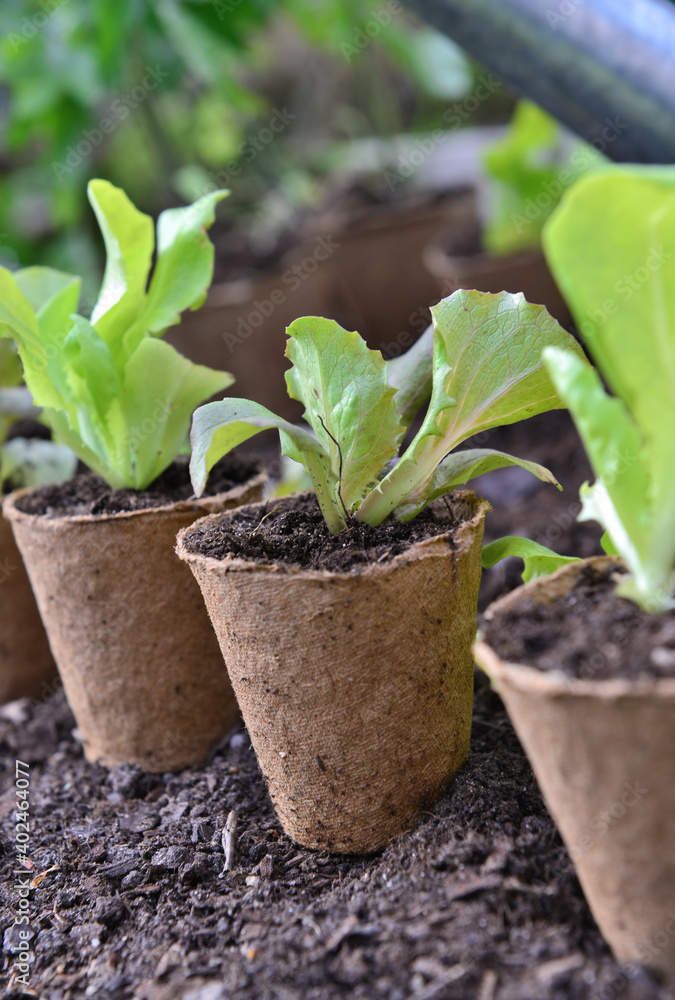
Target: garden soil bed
[479, 902]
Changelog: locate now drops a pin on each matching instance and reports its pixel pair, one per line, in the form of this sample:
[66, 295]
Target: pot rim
[434, 546]
[439, 261]
[205, 503]
[555, 683]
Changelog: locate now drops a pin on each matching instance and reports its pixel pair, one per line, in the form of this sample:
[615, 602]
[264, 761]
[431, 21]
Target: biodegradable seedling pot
[139, 661]
[525, 272]
[603, 752]
[27, 668]
[356, 687]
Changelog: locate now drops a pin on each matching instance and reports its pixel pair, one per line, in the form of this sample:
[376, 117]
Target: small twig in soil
[229, 840]
[269, 513]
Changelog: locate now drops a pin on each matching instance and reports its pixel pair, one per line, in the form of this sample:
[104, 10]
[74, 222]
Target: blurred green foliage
[531, 167]
[162, 98]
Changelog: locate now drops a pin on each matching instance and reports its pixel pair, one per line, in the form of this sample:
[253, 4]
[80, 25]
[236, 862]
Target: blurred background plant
[28, 456]
[172, 98]
[530, 168]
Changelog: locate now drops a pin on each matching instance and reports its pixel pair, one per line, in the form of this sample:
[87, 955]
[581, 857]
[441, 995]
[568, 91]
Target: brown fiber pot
[525, 272]
[139, 661]
[356, 688]
[603, 753]
[27, 668]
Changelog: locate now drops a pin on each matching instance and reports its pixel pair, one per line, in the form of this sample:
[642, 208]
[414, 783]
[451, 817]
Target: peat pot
[356, 687]
[139, 661]
[27, 668]
[603, 752]
[525, 272]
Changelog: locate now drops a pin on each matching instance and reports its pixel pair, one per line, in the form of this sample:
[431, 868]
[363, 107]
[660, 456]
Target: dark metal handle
[604, 68]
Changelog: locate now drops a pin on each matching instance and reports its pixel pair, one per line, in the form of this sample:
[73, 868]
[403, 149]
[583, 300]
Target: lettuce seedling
[14, 398]
[25, 461]
[530, 168]
[116, 394]
[486, 371]
[611, 247]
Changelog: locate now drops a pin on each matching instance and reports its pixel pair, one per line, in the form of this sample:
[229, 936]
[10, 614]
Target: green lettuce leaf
[348, 401]
[219, 427]
[619, 499]
[623, 221]
[10, 366]
[538, 560]
[487, 372]
[44, 288]
[461, 466]
[129, 243]
[530, 168]
[412, 374]
[121, 399]
[184, 267]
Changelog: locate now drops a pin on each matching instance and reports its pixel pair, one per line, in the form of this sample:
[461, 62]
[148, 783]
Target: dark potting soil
[478, 902]
[590, 634]
[28, 428]
[464, 241]
[292, 531]
[87, 493]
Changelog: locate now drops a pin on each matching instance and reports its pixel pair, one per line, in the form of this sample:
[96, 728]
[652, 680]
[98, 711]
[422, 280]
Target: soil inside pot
[292, 531]
[463, 241]
[87, 493]
[589, 634]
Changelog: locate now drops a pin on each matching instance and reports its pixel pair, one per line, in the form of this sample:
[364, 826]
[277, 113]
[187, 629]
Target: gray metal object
[604, 68]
